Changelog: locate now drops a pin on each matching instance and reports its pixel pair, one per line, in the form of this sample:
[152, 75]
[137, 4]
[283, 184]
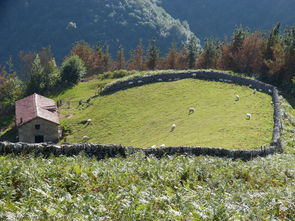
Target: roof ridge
[36, 104]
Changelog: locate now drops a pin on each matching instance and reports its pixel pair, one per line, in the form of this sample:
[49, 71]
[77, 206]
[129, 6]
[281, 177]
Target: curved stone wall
[102, 151]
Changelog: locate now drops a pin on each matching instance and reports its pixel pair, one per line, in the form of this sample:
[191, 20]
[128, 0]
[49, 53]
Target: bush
[116, 74]
[73, 70]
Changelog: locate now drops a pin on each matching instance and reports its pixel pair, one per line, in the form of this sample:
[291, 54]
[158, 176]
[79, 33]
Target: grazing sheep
[173, 126]
[139, 82]
[154, 147]
[254, 91]
[85, 138]
[194, 74]
[269, 91]
[88, 121]
[248, 116]
[237, 97]
[130, 82]
[271, 102]
[191, 110]
[163, 145]
[160, 79]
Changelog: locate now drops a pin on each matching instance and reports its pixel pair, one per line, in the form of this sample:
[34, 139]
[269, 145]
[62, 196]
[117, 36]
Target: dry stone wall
[103, 151]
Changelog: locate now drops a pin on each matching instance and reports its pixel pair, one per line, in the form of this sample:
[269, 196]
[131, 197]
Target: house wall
[49, 130]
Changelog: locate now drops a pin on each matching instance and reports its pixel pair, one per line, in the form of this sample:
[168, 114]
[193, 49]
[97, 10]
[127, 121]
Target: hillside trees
[11, 89]
[39, 71]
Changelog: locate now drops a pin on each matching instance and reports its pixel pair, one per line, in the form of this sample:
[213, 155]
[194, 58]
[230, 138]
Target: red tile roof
[35, 106]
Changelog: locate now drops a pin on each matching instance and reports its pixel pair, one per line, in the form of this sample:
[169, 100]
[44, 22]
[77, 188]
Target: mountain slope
[32, 24]
[219, 17]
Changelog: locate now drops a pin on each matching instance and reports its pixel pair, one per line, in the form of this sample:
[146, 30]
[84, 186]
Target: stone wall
[202, 75]
[102, 151]
[48, 130]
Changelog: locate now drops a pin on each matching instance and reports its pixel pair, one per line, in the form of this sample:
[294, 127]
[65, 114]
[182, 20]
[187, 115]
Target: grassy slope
[142, 116]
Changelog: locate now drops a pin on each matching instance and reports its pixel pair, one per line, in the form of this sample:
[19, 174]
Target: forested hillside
[219, 17]
[32, 24]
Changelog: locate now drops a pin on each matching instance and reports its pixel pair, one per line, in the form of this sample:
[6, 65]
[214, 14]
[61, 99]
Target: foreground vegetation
[143, 116]
[175, 188]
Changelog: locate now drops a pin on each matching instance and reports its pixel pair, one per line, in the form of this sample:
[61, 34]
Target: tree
[193, 50]
[171, 58]
[43, 75]
[11, 89]
[272, 40]
[152, 55]
[209, 56]
[73, 70]
[120, 64]
[137, 58]
[36, 83]
[106, 58]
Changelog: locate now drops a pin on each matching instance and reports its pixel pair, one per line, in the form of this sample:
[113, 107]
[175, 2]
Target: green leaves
[137, 187]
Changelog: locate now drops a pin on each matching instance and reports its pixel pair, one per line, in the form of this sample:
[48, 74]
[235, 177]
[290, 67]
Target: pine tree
[120, 59]
[272, 40]
[152, 55]
[210, 54]
[137, 58]
[172, 57]
[193, 51]
[36, 83]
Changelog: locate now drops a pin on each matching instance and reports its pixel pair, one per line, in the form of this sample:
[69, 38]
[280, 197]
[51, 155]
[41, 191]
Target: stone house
[37, 119]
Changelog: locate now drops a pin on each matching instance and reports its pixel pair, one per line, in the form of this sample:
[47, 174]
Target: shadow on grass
[10, 135]
[290, 98]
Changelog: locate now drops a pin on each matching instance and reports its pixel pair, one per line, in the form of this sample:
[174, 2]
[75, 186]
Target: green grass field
[143, 116]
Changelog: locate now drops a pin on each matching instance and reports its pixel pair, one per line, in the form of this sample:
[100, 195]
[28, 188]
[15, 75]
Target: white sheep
[139, 82]
[89, 121]
[130, 82]
[85, 138]
[173, 126]
[254, 91]
[194, 74]
[191, 110]
[248, 116]
[160, 79]
[154, 147]
[269, 91]
[237, 97]
[163, 145]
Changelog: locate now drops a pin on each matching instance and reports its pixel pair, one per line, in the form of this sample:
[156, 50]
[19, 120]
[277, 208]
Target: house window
[37, 126]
